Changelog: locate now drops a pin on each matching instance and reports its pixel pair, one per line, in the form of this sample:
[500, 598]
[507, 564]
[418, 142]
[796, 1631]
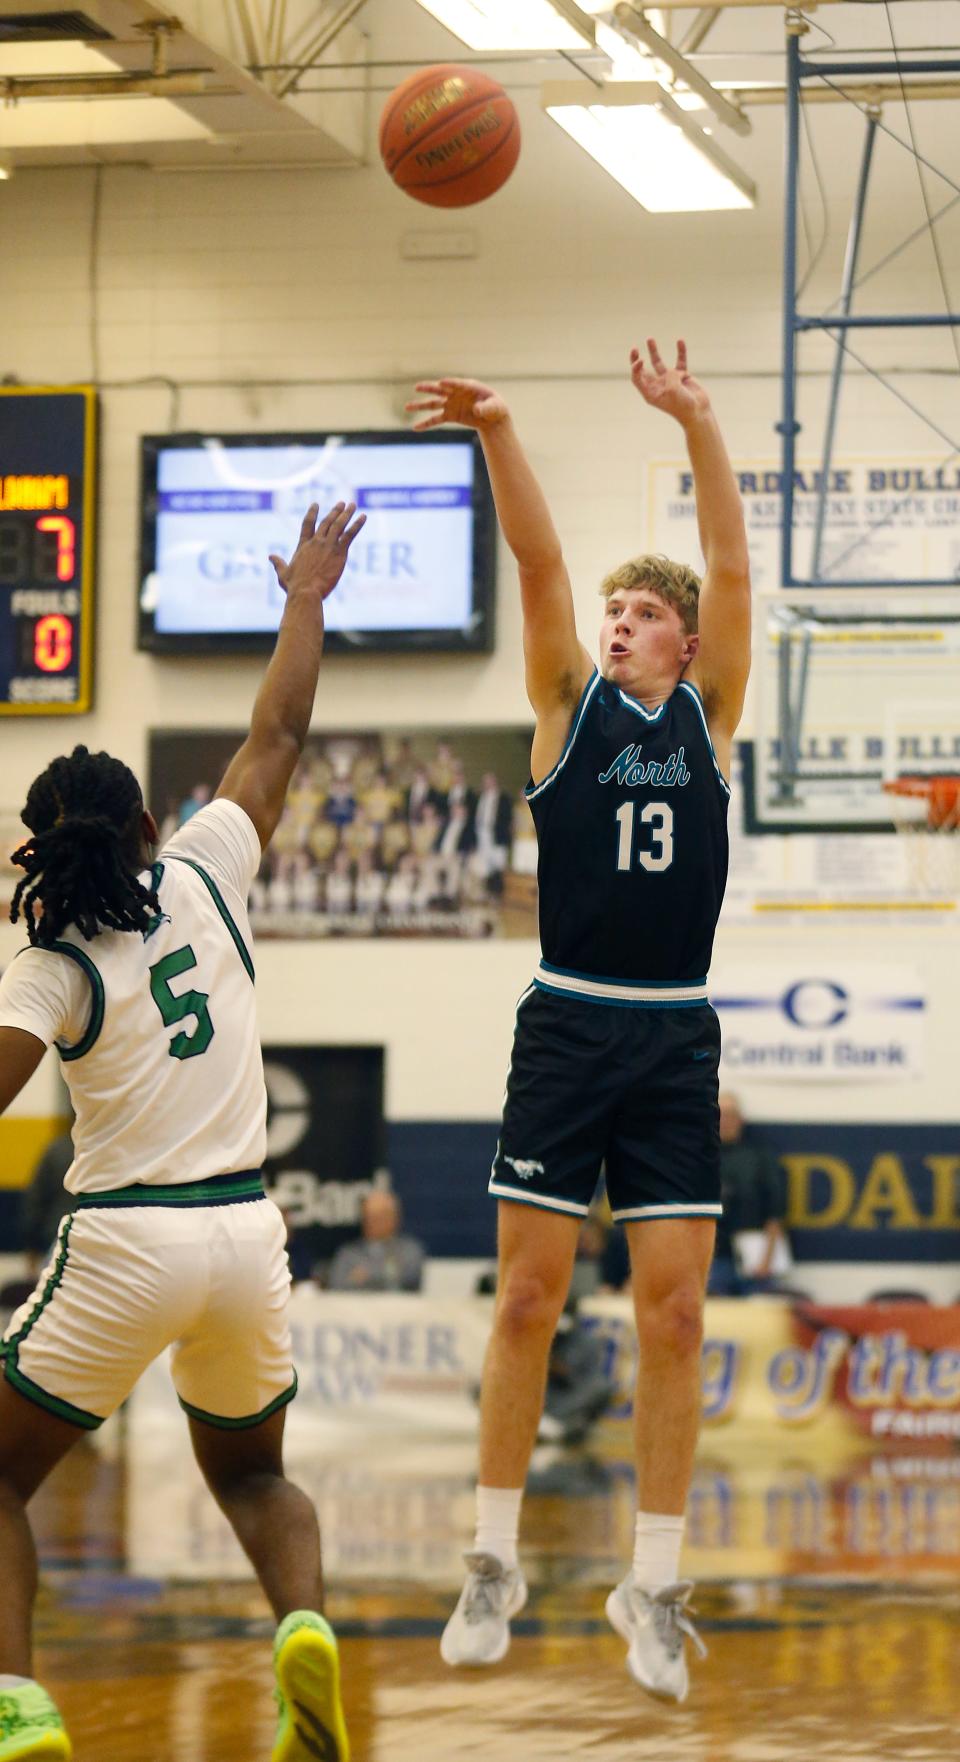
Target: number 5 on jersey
[189, 1003]
[658, 815]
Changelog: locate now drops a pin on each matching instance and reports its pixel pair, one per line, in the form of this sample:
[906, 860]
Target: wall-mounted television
[421, 575]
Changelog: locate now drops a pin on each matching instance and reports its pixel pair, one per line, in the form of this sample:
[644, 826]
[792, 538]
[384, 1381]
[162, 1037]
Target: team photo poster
[400, 833]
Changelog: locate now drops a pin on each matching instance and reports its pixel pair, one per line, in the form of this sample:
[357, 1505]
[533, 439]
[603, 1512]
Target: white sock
[498, 1521]
[14, 1682]
[656, 1550]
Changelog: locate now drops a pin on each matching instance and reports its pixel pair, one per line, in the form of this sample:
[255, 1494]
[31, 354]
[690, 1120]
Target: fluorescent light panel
[650, 157]
[505, 24]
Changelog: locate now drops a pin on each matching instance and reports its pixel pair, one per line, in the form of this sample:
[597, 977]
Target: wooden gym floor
[849, 1656]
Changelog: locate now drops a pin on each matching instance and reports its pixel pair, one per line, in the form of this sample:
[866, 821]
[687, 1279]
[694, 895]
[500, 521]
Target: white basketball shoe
[478, 1631]
[654, 1627]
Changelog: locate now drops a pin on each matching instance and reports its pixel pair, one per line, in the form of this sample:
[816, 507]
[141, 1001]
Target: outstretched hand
[672, 389]
[322, 550]
[457, 400]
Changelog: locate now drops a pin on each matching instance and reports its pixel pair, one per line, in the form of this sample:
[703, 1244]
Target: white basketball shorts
[136, 1271]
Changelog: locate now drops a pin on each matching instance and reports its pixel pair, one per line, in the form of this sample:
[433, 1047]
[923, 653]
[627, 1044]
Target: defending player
[616, 1047]
[139, 972]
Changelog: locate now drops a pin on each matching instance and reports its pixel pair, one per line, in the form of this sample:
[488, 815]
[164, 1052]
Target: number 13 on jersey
[658, 815]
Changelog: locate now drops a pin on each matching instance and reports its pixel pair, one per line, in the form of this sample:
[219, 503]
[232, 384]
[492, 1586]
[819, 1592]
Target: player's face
[643, 642]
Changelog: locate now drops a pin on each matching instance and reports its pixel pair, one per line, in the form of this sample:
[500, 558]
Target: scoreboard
[47, 513]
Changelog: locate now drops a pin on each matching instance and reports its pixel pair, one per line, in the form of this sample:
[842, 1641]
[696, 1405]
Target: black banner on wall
[326, 1142]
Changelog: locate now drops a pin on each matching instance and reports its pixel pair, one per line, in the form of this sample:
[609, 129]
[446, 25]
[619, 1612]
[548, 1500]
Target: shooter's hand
[671, 389]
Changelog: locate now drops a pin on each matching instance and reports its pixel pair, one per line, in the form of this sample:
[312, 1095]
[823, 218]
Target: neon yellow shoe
[31, 1729]
[312, 1726]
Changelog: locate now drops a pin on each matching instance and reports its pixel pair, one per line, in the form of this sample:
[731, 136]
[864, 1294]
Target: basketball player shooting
[139, 972]
[616, 1046]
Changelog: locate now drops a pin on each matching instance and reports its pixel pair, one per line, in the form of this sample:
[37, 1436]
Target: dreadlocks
[84, 813]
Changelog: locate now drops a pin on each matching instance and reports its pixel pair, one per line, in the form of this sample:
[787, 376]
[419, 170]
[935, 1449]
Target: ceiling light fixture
[653, 147]
[628, 60]
[515, 24]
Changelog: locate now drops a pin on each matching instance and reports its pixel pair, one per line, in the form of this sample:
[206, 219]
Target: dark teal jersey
[632, 833]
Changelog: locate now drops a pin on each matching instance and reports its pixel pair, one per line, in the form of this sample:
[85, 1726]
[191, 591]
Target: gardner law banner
[829, 1445]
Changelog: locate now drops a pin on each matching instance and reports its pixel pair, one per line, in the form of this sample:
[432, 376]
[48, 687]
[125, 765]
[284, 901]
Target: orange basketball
[449, 136]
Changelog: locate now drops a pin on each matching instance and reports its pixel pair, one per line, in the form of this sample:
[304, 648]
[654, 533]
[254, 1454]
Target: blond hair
[673, 582]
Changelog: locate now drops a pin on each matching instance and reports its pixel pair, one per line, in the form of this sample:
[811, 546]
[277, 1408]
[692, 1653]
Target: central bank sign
[840, 1024]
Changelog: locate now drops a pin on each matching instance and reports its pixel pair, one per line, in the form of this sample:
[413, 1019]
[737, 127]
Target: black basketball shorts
[594, 1083]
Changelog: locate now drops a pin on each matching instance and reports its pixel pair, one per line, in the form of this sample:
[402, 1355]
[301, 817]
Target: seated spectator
[383, 1260]
[615, 1264]
[752, 1200]
[591, 1242]
[579, 1385]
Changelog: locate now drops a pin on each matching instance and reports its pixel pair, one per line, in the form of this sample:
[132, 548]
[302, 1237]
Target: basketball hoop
[926, 813]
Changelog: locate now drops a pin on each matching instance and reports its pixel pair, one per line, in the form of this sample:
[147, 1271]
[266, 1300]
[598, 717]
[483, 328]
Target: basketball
[449, 136]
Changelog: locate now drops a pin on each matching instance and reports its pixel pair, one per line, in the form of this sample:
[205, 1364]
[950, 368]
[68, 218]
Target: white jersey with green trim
[157, 1032]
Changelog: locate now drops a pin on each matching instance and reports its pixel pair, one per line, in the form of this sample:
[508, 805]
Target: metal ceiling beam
[584, 22]
[634, 25]
[878, 92]
[700, 29]
[105, 85]
[321, 41]
[253, 48]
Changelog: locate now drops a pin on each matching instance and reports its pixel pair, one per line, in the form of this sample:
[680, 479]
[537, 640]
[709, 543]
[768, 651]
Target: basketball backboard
[850, 691]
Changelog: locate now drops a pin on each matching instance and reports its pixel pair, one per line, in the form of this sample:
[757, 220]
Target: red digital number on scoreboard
[66, 543]
[53, 642]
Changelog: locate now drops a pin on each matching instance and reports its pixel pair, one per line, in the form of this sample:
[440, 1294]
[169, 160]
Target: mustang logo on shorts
[526, 1170]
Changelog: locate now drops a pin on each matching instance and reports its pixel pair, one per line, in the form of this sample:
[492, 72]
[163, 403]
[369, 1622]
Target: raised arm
[722, 664]
[557, 666]
[258, 776]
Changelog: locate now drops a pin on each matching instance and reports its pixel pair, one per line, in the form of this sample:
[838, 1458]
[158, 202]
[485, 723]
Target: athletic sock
[498, 1521]
[656, 1550]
